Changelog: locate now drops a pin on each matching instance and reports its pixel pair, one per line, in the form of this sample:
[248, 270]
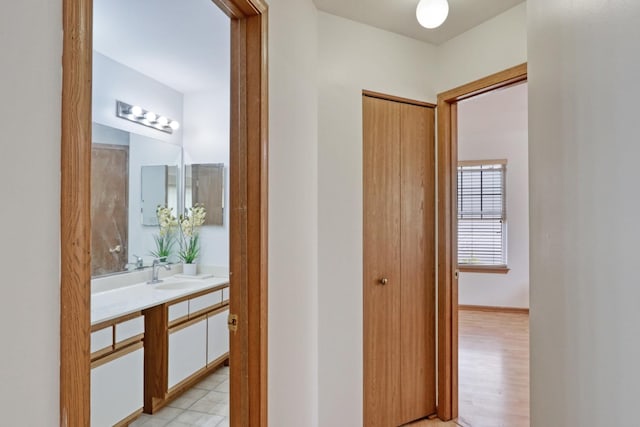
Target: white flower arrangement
[165, 239]
[189, 237]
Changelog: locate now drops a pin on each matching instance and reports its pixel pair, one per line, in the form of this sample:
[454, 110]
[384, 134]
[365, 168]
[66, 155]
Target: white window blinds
[482, 213]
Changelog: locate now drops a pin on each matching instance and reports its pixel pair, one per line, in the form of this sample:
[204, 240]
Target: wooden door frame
[447, 164]
[248, 215]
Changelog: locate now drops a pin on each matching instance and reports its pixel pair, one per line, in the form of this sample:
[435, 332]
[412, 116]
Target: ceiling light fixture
[137, 114]
[163, 121]
[432, 13]
[150, 116]
[136, 111]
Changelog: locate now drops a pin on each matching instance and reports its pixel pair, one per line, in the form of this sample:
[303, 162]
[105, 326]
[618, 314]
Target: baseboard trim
[493, 309]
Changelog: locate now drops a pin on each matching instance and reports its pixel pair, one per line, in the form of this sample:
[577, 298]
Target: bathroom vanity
[190, 339]
[150, 343]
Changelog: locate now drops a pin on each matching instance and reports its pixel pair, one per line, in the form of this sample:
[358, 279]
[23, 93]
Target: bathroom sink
[176, 286]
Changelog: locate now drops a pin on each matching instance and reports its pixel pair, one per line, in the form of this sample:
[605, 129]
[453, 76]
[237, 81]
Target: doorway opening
[493, 258]
[449, 108]
[247, 215]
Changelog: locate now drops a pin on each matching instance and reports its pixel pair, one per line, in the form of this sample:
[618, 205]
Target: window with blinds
[482, 213]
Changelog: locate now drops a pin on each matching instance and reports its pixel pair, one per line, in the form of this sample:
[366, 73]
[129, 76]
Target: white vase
[190, 269]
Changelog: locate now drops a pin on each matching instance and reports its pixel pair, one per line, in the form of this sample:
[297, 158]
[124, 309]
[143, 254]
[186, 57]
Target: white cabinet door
[117, 389]
[187, 351]
[217, 336]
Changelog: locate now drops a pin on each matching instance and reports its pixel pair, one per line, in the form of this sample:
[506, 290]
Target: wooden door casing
[447, 162]
[248, 211]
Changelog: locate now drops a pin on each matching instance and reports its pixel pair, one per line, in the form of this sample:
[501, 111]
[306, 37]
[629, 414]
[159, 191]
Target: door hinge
[457, 273]
[232, 322]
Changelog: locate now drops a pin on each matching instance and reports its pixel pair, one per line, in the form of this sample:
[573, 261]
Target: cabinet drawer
[179, 310]
[129, 329]
[204, 302]
[102, 339]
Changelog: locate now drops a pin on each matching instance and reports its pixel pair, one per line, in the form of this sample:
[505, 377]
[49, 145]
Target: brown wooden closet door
[109, 208]
[381, 120]
[399, 246]
[417, 300]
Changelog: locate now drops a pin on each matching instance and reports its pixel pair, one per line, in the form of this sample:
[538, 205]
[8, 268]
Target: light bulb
[174, 125]
[432, 13]
[136, 111]
[151, 116]
[163, 121]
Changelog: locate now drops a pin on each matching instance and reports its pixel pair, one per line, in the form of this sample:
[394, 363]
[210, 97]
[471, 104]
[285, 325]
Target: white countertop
[124, 300]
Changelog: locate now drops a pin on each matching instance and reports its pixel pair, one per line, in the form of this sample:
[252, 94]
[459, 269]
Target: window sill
[493, 269]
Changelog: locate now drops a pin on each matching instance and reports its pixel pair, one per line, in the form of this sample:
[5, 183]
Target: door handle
[383, 281]
[116, 250]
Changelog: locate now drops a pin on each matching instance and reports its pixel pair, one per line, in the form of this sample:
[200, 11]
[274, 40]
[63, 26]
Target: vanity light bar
[137, 114]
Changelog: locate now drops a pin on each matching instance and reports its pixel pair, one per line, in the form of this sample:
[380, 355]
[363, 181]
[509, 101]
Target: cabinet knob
[383, 281]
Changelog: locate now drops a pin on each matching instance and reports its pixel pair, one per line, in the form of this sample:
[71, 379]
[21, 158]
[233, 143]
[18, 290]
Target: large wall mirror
[131, 176]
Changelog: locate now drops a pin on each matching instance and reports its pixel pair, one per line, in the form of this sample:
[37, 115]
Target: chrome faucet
[154, 270]
[138, 264]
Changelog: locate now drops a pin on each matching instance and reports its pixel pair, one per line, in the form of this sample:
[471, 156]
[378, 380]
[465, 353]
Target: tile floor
[205, 405]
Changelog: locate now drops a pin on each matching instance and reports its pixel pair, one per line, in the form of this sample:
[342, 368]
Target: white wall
[492, 46]
[206, 135]
[583, 158]
[206, 140]
[31, 46]
[30, 39]
[352, 57]
[494, 126]
[293, 214]
[114, 81]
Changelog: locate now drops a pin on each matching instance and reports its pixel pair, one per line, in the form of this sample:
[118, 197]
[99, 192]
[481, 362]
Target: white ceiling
[399, 16]
[183, 43]
[178, 43]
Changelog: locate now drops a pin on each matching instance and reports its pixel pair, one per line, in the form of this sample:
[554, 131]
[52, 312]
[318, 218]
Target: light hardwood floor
[493, 371]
